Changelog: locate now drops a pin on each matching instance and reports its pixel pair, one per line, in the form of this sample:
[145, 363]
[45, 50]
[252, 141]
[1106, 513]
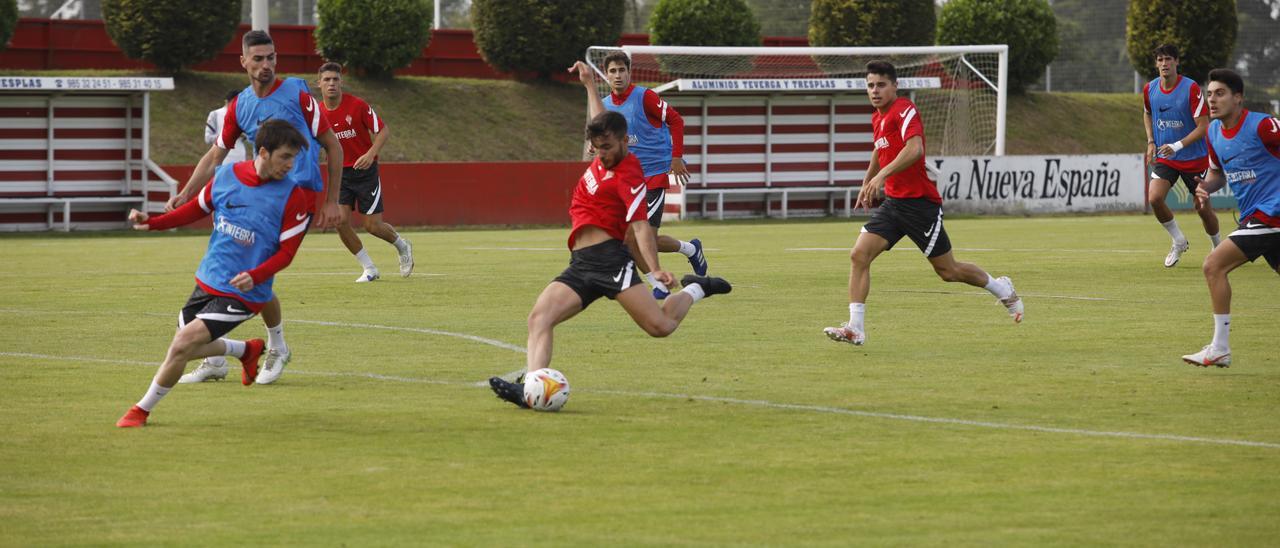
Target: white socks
[153, 396]
[656, 283]
[235, 348]
[1000, 290]
[275, 338]
[1217, 239]
[363, 257]
[1174, 231]
[400, 244]
[1222, 331]
[695, 291]
[857, 312]
[687, 249]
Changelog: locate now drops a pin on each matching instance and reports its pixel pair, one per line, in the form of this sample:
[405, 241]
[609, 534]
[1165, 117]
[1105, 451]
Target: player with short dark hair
[1175, 119]
[353, 121]
[912, 208]
[607, 204]
[260, 213]
[267, 97]
[656, 138]
[1244, 152]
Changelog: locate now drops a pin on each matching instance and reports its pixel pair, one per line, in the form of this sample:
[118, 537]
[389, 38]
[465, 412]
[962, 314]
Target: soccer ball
[546, 390]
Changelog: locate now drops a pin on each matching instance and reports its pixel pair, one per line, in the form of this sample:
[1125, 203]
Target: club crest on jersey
[632, 139]
[882, 142]
[589, 179]
[348, 119]
[1169, 124]
[241, 235]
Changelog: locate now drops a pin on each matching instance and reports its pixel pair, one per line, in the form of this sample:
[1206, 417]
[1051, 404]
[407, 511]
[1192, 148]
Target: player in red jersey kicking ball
[912, 208]
[608, 202]
[260, 214]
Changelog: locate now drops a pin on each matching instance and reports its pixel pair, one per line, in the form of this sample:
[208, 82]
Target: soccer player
[260, 213]
[1175, 120]
[213, 128]
[607, 203]
[353, 122]
[266, 98]
[657, 139]
[1244, 152]
[913, 207]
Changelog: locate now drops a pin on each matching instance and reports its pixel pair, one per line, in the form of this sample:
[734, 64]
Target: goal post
[961, 91]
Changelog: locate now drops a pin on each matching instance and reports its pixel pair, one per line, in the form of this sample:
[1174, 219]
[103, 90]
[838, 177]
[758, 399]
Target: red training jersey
[609, 198]
[354, 122]
[891, 132]
[1197, 107]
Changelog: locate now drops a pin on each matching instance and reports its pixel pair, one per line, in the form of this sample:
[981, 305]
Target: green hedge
[703, 23]
[1204, 31]
[1027, 26]
[171, 34]
[872, 23]
[542, 37]
[374, 38]
[8, 21]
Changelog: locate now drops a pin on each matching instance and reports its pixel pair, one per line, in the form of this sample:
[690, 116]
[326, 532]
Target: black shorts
[361, 189]
[656, 200]
[1258, 240]
[219, 314]
[601, 270]
[915, 218]
[1168, 173]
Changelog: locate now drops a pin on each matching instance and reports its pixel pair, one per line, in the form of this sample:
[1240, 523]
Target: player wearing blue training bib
[1175, 119]
[259, 215]
[269, 98]
[655, 135]
[1244, 152]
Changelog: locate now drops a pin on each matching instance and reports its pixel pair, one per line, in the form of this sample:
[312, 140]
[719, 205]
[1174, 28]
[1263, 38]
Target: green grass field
[951, 427]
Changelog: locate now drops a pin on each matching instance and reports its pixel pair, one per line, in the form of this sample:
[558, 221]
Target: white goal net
[960, 90]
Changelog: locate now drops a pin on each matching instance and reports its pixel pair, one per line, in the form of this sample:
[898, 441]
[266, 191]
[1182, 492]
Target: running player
[265, 98]
[1175, 120]
[260, 213]
[607, 203]
[657, 139]
[1244, 152]
[353, 122]
[913, 207]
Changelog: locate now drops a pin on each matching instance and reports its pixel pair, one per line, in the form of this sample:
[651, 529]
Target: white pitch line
[424, 330]
[1032, 295]
[752, 403]
[515, 249]
[292, 274]
[986, 249]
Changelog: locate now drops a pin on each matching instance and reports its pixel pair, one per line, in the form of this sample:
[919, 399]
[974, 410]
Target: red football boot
[252, 351]
[135, 417]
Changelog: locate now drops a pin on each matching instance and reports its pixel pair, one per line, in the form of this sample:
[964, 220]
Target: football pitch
[952, 426]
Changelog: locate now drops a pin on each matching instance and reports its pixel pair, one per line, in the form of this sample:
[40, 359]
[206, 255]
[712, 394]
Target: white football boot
[406, 260]
[208, 370]
[845, 334]
[1209, 355]
[1175, 253]
[1014, 303]
[273, 366]
[369, 275]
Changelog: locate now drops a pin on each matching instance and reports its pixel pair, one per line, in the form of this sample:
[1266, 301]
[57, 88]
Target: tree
[542, 36]
[8, 21]
[1257, 54]
[703, 23]
[171, 34]
[1204, 32]
[1027, 26]
[872, 23]
[374, 38]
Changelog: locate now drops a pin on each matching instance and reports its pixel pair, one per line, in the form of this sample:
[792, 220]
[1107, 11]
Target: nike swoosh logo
[233, 310]
[637, 189]
[1165, 107]
[233, 206]
[1251, 225]
[620, 273]
[301, 216]
[928, 232]
[1226, 161]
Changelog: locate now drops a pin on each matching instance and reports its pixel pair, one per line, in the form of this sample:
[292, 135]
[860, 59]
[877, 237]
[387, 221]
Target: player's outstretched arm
[203, 172]
[646, 241]
[186, 214]
[595, 105]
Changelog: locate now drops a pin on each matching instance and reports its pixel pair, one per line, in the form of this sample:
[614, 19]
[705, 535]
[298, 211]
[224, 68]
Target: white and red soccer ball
[546, 390]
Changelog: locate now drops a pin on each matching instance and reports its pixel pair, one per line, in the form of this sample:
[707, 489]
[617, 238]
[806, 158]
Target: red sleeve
[311, 111]
[911, 124]
[230, 127]
[371, 119]
[292, 229]
[659, 112]
[1269, 133]
[631, 189]
[1214, 162]
[186, 214]
[1196, 101]
[1146, 98]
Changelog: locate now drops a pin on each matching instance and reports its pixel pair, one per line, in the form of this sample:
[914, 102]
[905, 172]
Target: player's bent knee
[659, 330]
